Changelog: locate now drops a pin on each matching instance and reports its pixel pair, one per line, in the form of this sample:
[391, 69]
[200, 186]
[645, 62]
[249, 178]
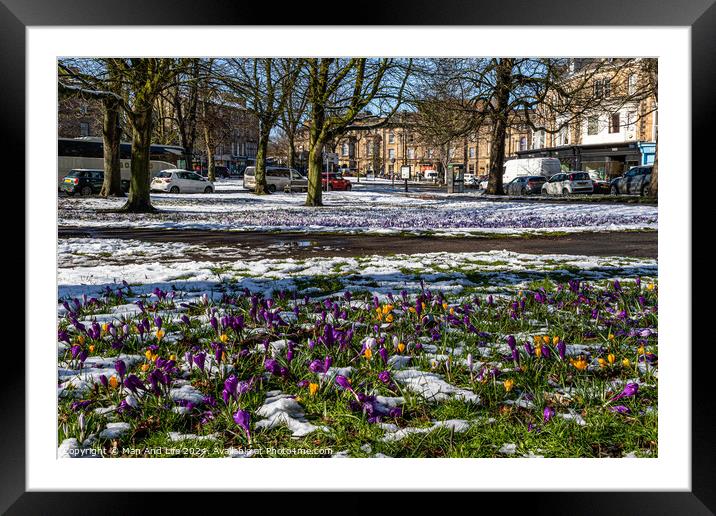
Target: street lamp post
[392, 173]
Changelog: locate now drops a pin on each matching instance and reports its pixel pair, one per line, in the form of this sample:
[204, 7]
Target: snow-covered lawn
[83, 268]
[359, 211]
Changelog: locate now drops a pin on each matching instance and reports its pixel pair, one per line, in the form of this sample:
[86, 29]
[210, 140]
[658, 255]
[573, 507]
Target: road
[218, 245]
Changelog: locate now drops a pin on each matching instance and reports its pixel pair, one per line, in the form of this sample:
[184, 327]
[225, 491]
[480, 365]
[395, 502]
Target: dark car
[525, 185]
[636, 181]
[335, 182]
[86, 182]
[220, 172]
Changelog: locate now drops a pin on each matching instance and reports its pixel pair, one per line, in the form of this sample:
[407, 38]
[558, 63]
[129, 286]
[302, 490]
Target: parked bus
[88, 153]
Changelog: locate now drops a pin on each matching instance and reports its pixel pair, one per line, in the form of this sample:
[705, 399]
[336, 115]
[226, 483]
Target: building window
[602, 88]
[564, 135]
[391, 153]
[344, 149]
[614, 123]
[411, 153]
[592, 125]
[391, 138]
[632, 84]
[471, 168]
[391, 168]
[471, 152]
[539, 139]
[523, 143]
[84, 129]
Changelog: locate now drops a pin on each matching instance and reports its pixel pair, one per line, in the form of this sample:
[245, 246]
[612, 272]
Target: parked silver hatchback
[567, 183]
[277, 179]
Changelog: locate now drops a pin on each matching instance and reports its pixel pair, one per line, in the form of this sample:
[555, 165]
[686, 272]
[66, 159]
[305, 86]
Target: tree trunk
[315, 169]
[139, 200]
[210, 164]
[291, 152]
[262, 150]
[654, 182]
[499, 126]
[111, 134]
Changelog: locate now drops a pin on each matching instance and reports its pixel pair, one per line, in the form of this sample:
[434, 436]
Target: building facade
[384, 150]
[617, 132]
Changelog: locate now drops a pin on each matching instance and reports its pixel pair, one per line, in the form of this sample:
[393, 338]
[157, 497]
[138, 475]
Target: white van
[277, 179]
[546, 167]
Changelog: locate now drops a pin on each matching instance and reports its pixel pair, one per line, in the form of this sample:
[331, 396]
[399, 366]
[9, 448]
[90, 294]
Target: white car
[180, 181]
[567, 183]
[470, 179]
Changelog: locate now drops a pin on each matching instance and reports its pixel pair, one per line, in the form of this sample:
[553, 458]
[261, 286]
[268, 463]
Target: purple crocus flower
[158, 322]
[75, 350]
[383, 355]
[316, 366]
[620, 409]
[133, 383]
[343, 382]
[511, 342]
[243, 419]
[561, 349]
[120, 367]
[185, 319]
[199, 360]
[629, 390]
[272, 366]
[103, 380]
[547, 414]
[384, 376]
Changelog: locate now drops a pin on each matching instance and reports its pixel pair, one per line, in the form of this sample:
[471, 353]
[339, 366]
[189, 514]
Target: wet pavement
[223, 245]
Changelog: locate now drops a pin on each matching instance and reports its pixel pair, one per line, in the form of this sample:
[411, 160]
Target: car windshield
[164, 174]
[537, 178]
[578, 176]
[76, 173]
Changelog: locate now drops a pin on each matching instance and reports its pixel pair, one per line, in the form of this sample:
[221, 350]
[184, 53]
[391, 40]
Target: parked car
[525, 185]
[431, 175]
[567, 183]
[86, 182]
[470, 179]
[180, 181]
[482, 182]
[333, 181]
[277, 178]
[546, 167]
[636, 181]
[601, 186]
[220, 172]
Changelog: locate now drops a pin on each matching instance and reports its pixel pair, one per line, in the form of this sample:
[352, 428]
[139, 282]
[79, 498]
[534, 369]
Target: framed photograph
[223, 266]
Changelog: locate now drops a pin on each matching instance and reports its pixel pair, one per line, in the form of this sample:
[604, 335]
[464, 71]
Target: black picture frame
[699, 15]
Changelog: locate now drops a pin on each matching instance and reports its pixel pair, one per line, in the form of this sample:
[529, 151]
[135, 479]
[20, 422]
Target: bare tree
[339, 91]
[99, 79]
[265, 84]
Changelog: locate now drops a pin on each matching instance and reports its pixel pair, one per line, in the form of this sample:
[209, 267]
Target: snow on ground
[359, 211]
[379, 274]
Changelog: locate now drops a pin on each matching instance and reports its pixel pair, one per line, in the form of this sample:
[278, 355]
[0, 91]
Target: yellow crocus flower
[580, 364]
[445, 306]
[145, 367]
[626, 362]
[538, 349]
[148, 354]
[508, 384]
[81, 339]
[91, 348]
[401, 347]
[367, 353]
[312, 388]
[610, 336]
[602, 362]
[224, 338]
[113, 382]
[160, 334]
[389, 318]
[611, 358]
[641, 349]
